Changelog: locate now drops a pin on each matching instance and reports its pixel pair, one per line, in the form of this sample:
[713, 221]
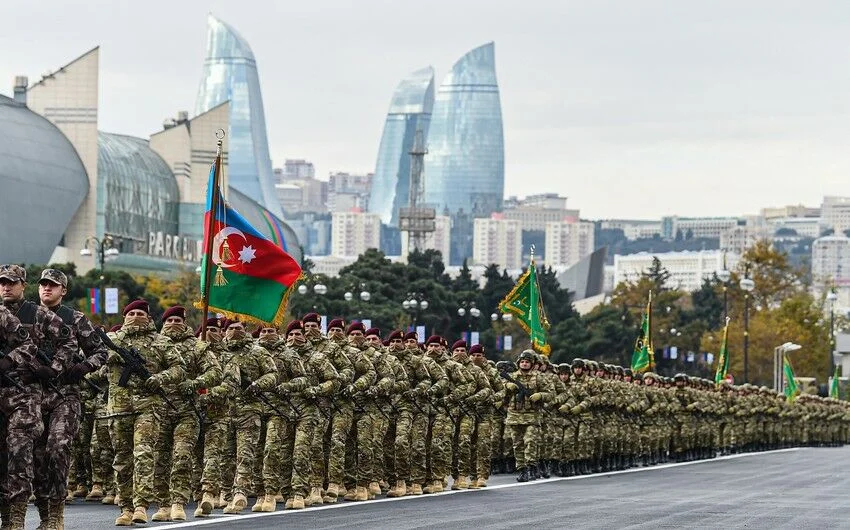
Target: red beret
[116, 327]
[175, 311]
[459, 344]
[396, 334]
[476, 348]
[373, 331]
[256, 332]
[295, 324]
[337, 323]
[227, 323]
[354, 326]
[138, 304]
[215, 322]
[411, 335]
[434, 339]
[311, 317]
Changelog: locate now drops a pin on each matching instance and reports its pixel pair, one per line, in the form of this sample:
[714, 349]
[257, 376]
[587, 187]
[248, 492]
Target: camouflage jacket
[94, 352]
[292, 376]
[16, 341]
[481, 396]
[200, 366]
[526, 412]
[418, 378]
[49, 334]
[255, 365]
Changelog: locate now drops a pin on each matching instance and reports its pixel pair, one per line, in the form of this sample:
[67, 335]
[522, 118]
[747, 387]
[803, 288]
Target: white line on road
[228, 519]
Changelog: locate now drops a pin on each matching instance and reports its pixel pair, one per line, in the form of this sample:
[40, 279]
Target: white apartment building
[804, 226]
[354, 232]
[439, 239]
[738, 239]
[633, 228]
[696, 227]
[798, 210]
[835, 212]
[687, 269]
[497, 240]
[567, 242]
[535, 211]
[831, 261]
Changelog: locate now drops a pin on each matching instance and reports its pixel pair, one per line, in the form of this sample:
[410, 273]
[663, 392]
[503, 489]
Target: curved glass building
[465, 164]
[410, 110]
[43, 180]
[230, 74]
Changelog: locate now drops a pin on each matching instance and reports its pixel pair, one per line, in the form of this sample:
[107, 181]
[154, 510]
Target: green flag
[643, 358]
[525, 303]
[791, 389]
[834, 390]
[723, 357]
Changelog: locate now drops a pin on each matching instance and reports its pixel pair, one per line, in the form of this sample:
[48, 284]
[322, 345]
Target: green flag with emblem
[834, 389]
[643, 358]
[723, 357]
[791, 388]
[525, 303]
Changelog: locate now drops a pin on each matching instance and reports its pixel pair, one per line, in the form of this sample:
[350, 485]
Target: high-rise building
[535, 211]
[465, 164]
[347, 191]
[835, 212]
[674, 227]
[354, 232]
[831, 261]
[497, 240]
[739, 238]
[567, 242]
[230, 74]
[410, 111]
[439, 239]
[295, 169]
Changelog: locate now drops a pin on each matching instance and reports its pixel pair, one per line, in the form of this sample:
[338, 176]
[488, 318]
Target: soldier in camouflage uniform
[58, 418]
[470, 412]
[567, 425]
[136, 410]
[501, 446]
[102, 455]
[487, 410]
[529, 391]
[61, 411]
[180, 429]
[257, 374]
[579, 405]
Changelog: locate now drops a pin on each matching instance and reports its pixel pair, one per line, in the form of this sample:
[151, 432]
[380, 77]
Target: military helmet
[628, 372]
[504, 366]
[680, 377]
[578, 363]
[636, 377]
[650, 375]
[620, 370]
[527, 355]
[564, 368]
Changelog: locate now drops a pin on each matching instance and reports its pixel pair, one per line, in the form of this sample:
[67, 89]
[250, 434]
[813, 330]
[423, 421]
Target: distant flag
[791, 388]
[723, 357]
[834, 389]
[643, 357]
[94, 301]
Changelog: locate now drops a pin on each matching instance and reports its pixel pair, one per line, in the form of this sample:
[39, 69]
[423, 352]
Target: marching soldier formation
[151, 421]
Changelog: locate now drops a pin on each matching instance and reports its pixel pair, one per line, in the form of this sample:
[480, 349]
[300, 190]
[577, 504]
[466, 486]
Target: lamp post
[831, 297]
[414, 303]
[724, 275]
[364, 296]
[747, 285]
[105, 251]
[319, 289]
[467, 309]
[503, 317]
[778, 354]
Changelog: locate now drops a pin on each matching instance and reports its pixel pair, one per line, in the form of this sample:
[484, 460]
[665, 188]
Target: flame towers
[230, 74]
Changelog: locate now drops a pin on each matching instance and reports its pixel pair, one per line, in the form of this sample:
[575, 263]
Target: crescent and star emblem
[246, 254]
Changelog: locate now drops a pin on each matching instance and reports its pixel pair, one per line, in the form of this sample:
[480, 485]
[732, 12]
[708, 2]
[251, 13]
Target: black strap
[66, 314]
[26, 313]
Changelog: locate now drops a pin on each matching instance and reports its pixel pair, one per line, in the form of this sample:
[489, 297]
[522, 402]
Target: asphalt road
[796, 488]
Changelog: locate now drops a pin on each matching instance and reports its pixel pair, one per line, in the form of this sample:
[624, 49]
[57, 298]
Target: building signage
[174, 247]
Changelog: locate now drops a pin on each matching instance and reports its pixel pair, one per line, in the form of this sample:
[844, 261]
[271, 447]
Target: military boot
[543, 467]
[178, 513]
[258, 505]
[374, 490]
[523, 475]
[207, 504]
[81, 491]
[400, 489]
[270, 503]
[108, 499]
[510, 465]
[481, 482]
[361, 494]
[298, 502]
[96, 492]
[238, 504]
[57, 515]
[315, 497]
[43, 506]
[385, 487]
[350, 494]
[288, 504]
[125, 519]
[331, 494]
[221, 502]
[140, 515]
[415, 489]
[162, 514]
[533, 472]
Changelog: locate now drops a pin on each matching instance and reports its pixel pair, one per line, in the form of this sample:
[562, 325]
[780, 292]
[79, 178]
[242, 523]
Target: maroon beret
[311, 317]
[354, 326]
[337, 323]
[228, 322]
[411, 335]
[459, 344]
[138, 304]
[256, 332]
[476, 348]
[215, 322]
[373, 331]
[295, 324]
[434, 339]
[116, 327]
[396, 334]
[175, 311]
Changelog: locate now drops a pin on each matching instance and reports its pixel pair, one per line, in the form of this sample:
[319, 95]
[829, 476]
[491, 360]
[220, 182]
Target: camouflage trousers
[568, 444]
[294, 453]
[60, 416]
[81, 471]
[133, 439]
[461, 450]
[380, 426]
[497, 430]
[340, 427]
[441, 429]
[585, 448]
[174, 449]
[102, 455]
[20, 427]
[228, 459]
[418, 453]
[359, 450]
[247, 427]
[479, 444]
[399, 456]
[212, 456]
[525, 444]
[388, 450]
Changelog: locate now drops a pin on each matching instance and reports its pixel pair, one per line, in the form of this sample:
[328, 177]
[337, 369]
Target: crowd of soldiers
[145, 418]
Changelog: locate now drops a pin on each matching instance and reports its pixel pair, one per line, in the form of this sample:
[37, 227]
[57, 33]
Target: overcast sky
[632, 108]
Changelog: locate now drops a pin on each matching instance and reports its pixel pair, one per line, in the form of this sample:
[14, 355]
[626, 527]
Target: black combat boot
[543, 467]
[533, 472]
[523, 475]
[494, 466]
[510, 465]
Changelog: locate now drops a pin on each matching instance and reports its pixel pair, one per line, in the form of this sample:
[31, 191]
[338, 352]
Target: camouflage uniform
[100, 450]
[524, 414]
[387, 419]
[471, 412]
[445, 415]
[482, 435]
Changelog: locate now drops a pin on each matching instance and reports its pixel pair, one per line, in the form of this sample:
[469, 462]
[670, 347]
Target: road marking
[229, 519]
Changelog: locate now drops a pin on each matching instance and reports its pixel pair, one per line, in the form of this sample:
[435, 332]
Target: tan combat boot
[125, 519]
[207, 504]
[298, 502]
[221, 502]
[361, 494]
[288, 504]
[17, 515]
[140, 515]
[385, 487]
[481, 482]
[350, 494]
[238, 504]
[400, 489]
[416, 489]
[332, 494]
[96, 493]
[81, 491]
[315, 497]
[270, 503]
[177, 512]
[161, 515]
[374, 490]
[342, 492]
[109, 498]
[437, 486]
[70, 497]
[200, 513]
[258, 506]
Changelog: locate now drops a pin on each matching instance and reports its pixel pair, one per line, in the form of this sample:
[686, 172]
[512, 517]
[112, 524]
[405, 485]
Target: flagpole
[649, 334]
[219, 134]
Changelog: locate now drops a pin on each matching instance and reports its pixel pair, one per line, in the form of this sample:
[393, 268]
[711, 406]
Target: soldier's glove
[311, 392]
[535, 397]
[511, 386]
[203, 399]
[188, 388]
[576, 410]
[153, 383]
[76, 373]
[284, 389]
[253, 389]
[565, 409]
[218, 393]
[349, 391]
[45, 373]
[498, 403]
[6, 364]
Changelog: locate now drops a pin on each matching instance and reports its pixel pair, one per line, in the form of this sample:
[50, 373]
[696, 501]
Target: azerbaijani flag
[253, 275]
[94, 301]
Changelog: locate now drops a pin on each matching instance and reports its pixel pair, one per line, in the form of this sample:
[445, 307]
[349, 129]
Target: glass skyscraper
[230, 74]
[465, 164]
[410, 110]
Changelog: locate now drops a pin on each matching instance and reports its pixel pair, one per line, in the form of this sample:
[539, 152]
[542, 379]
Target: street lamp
[467, 309]
[831, 297]
[778, 354]
[414, 303]
[724, 275]
[747, 285]
[319, 289]
[105, 252]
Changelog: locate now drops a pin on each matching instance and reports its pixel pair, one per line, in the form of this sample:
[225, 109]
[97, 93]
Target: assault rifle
[245, 383]
[47, 361]
[134, 364]
[522, 391]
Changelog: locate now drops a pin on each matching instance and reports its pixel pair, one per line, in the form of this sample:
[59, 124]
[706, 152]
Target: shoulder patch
[64, 332]
[23, 334]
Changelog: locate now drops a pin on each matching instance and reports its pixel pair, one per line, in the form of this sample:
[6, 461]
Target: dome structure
[43, 182]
